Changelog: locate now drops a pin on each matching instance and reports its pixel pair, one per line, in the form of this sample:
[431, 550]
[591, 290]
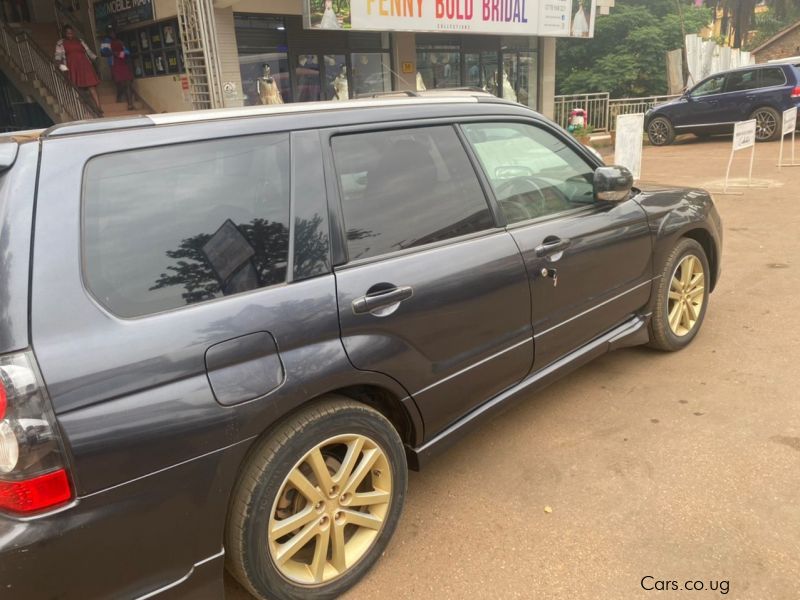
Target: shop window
[263, 59]
[155, 49]
[439, 67]
[305, 65]
[371, 72]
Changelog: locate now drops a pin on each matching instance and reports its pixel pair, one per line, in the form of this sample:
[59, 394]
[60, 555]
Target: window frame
[577, 148]
[195, 135]
[341, 254]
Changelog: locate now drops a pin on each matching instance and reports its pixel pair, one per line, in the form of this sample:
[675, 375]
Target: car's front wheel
[682, 297]
[660, 132]
[768, 124]
[317, 503]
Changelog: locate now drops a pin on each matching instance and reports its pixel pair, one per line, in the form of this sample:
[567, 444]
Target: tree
[626, 57]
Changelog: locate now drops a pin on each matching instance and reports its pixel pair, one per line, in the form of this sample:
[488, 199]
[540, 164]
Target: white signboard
[628, 145]
[789, 120]
[744, 134]
[562, 18]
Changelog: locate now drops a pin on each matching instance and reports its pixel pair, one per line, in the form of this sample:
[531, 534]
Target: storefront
[282, 62]
[281, 51]
[505, 66]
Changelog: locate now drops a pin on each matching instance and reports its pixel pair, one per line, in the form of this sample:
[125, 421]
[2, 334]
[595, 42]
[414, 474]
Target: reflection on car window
[405, 188]
[772, 76]
[175, 225]
[532, 172]
[709, 86]
[741, 80]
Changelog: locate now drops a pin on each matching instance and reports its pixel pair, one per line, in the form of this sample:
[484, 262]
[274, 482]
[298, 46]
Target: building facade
[191, 54]
[785, 44]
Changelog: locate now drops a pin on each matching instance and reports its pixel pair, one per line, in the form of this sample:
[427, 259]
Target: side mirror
[612, 184]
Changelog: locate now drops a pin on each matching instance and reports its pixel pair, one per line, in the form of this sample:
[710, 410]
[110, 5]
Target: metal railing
[64, 18]
[629, 106]
[601, 110]
[33, 66]
[595, 105]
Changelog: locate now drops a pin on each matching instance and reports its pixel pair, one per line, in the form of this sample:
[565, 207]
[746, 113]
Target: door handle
[381, 299]
[552, 245]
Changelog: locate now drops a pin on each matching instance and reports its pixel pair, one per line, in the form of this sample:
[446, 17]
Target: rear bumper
[159, 536]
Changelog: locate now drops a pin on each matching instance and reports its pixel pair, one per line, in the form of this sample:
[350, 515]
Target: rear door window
[175, 225]
[405, 188]
[742, 80]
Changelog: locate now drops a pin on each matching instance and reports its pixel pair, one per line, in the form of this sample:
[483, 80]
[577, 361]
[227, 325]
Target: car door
[704, 104]
[433, 293]
[589, 262]
[741, 89]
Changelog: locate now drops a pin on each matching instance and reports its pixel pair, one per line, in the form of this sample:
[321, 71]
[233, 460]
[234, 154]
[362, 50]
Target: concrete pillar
[404, 50]
[230, 76]
[547, 76]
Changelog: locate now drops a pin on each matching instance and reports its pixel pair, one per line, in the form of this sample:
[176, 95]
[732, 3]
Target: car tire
[768, 124]
[681, 297]
[660, 132]
[337, 533]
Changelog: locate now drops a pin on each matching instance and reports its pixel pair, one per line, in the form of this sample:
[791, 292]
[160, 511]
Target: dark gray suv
[225, 336]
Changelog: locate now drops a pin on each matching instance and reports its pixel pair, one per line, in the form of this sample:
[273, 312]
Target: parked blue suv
[760, 92]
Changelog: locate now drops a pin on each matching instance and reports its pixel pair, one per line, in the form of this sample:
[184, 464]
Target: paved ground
[679, 467]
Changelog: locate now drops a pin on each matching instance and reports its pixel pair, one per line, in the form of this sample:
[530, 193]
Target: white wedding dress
[329, 19]
[580, 26]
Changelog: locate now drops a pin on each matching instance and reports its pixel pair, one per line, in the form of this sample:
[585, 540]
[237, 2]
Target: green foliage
[627, 56]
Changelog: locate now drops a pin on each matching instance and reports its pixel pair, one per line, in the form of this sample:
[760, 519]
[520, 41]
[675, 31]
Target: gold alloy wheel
[330, 509]
[686, 295]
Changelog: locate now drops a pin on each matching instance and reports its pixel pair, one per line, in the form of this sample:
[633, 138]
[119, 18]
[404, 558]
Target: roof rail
[409, 93]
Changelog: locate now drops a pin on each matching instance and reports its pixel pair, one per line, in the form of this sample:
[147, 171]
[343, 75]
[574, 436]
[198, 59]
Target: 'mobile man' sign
[562, 18]
[121, 13]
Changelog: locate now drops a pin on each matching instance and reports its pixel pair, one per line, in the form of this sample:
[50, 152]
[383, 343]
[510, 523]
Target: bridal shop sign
[553, 18]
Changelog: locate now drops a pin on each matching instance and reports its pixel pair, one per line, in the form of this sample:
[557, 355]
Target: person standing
[118, 57]
[74, 57]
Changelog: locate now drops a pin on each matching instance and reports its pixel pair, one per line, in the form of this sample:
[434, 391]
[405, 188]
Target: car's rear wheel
[660, 132]
[317, 503]
[768, 123]
[682, 297]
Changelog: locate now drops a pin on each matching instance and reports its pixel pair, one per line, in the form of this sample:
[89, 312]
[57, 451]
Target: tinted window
[170, 226]
[741, 80]
[533, 173]
[712, 85]
[773, 76]
[405, 188]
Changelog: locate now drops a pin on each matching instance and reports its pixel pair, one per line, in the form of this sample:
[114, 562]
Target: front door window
[713, 85]
[532, 172]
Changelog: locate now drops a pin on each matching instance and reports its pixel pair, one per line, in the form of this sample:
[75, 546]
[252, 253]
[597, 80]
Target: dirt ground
[670, 467]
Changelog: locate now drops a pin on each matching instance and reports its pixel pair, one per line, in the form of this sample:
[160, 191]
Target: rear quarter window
[175, 225]
[772, 76]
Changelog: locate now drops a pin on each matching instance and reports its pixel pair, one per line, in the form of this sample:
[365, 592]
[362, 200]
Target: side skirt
[632, 332]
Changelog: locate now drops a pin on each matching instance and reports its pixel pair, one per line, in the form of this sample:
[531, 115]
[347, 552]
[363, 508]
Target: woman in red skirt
[73, 55]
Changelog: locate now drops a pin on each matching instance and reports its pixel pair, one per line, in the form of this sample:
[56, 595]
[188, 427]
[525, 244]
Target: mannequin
[508, 89]
[329, 20]
[340, 88]
[420, 83]
[268, 89]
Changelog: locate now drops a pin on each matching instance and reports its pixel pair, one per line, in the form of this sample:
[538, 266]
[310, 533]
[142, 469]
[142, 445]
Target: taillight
[796, 92]
[32, 470]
